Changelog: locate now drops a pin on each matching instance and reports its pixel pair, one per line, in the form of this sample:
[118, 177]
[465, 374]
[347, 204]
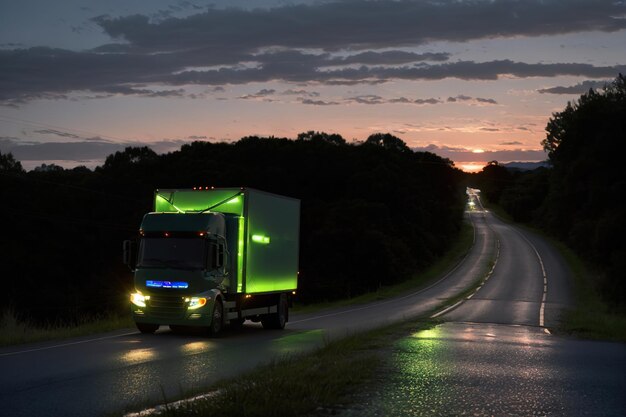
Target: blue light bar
[167, 284]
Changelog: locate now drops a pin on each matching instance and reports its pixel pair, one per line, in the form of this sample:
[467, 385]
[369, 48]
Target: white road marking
[542, 308]
[482, 283]
[66, 344]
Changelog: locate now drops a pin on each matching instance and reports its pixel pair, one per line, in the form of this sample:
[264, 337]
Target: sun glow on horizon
[470, 167]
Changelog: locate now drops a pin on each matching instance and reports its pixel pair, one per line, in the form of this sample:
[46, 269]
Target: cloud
[77, 151]
[364, 25]
[512, 143]
[318, 102]
[460, 97]
[374, 99]
[331, 43]
[291, 92]
[388, 58]
[259, 94]
[463, 154]
[426, 101]
[579, 88]
[57, 133]
[367, 99]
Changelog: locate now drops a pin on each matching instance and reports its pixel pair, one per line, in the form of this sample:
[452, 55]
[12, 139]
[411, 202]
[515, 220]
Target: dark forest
[579, 197]
[373, 214]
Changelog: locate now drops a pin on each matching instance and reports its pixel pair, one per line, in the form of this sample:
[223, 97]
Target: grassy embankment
[590, 317]
[418, 281]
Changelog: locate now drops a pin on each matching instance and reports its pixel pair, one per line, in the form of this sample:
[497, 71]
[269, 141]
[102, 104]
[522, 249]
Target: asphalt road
[495, 355]
[121, 370]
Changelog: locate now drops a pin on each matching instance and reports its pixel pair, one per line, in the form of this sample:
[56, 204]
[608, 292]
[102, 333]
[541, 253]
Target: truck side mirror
[129, 256]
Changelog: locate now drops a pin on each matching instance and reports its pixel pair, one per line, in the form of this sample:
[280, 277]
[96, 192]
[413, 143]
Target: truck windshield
[170, 252]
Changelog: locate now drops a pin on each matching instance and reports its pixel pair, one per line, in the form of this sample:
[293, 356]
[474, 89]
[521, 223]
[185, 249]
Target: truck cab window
[170, 252]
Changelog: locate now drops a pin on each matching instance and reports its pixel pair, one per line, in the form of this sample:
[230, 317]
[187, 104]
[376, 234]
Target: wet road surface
[463, 369]
[495, 355]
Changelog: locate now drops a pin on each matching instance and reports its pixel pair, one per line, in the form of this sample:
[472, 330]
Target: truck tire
[217, 319]
[278, 319]
[147, 328]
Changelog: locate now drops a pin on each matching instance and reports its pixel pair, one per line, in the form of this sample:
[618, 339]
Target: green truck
[215, 256]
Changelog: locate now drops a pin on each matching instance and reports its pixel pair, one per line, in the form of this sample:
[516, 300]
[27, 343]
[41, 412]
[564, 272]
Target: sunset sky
[472, 81]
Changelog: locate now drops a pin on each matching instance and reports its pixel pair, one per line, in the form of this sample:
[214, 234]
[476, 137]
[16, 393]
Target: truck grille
[164, 307]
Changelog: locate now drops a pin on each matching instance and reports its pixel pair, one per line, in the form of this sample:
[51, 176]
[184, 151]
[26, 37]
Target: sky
[473, 81]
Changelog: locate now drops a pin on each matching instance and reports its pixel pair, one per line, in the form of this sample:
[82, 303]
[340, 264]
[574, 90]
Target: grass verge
[421, 280]
[14, 331]
[590, 318]
[322, 381]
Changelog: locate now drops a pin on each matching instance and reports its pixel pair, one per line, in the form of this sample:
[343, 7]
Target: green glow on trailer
[226, 200]
[168, 202]
[261, 239]
[240, 254]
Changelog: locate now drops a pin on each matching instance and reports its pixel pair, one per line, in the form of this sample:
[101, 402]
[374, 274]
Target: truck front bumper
[173, 310]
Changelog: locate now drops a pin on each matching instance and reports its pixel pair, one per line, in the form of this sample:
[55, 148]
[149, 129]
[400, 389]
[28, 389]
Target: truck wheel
[217, 319]
[278, 319]
[147, 328]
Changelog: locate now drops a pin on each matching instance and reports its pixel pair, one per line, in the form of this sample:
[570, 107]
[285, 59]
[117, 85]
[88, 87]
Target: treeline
[580, 197]
[373, 213]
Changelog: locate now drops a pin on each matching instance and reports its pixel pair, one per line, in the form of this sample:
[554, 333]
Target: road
[495, 354]
[121, 370]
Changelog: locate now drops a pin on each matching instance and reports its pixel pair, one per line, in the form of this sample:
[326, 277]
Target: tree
[313, 136]
[492, 181]
[130, 156]
[388, 141]
[586, 143]
[9, 164]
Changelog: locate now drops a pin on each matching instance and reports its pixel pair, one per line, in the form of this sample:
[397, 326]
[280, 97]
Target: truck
[210, 257]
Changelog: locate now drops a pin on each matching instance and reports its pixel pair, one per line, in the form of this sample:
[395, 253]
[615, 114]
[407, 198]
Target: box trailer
[211, 256]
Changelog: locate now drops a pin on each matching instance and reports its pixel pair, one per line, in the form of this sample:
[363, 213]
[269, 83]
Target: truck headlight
[196, 302]
[139, 299]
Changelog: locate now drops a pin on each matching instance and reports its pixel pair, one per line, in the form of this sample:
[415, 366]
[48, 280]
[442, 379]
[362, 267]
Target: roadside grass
[590, 318]
[14, 331]
[444, 264]
[320, 382]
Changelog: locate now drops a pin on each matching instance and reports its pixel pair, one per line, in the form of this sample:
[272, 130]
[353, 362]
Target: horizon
[92, 164]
